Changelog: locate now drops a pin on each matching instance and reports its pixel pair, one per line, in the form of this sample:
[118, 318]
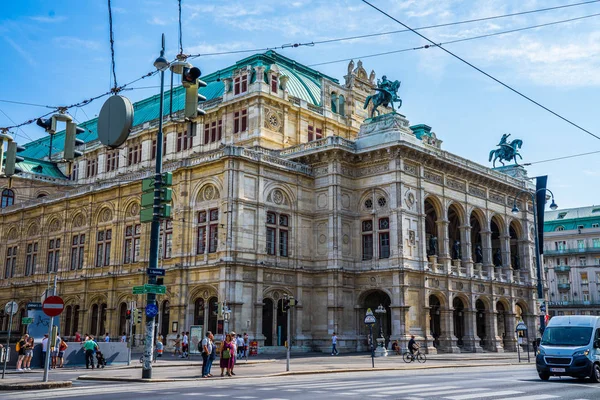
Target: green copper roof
[571, 218]
[303, 83]
[40, 167]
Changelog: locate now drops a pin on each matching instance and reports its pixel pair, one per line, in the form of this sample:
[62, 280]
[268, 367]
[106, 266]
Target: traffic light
[189, 79]
[12, 159]
[128, 314]
[49, 124]
[139, 316]
[71, 141]
[285, 305]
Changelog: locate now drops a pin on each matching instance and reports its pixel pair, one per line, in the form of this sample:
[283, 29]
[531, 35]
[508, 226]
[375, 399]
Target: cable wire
[180, 32]
[112, 46]
[427, 46]
[483, 72]
[313, 43]
[561, 158]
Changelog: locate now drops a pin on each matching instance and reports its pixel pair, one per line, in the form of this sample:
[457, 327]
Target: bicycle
[408, 357]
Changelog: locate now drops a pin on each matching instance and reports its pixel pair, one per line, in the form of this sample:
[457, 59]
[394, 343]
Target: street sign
[138, 290]
[521, 327]
[151, 310]
[34, 306]
[155, 272]
[156, 289]
[148, 288]
[53, 306]
[26, 320]
[11, 308]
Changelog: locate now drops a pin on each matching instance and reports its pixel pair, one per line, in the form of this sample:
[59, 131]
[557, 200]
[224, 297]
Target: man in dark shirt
[412, 345]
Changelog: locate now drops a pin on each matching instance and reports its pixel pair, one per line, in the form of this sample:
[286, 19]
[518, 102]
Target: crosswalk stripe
[480, 395]
[410, 390]
[533, 397]
[395, 386]
[327, 384]
[448, 392]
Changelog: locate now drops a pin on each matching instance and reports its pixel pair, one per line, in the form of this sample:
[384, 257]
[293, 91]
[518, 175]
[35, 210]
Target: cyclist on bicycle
[412, 346]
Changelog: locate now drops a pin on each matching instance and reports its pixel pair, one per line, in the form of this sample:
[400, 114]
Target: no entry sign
[53, 306]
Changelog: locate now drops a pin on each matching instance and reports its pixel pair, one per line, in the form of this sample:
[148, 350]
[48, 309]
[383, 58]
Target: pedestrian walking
[61, 353]
[177, 341]
[54, 345]
[89, 346]
[213, 354]
[77, 337]
[334, 351]
[226, 359]
[234, 352]
[124, 338]
[185, 345]
[20, 348]
[28, 354]
[205, 348]
[246, 342]
[240, 346]
[107, 337]
[44, 350]
[159, 346]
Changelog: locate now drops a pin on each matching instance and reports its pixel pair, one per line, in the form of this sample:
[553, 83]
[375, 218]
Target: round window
[368, 204]
[382, 201]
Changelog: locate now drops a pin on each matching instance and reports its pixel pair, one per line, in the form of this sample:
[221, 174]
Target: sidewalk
[317, 363]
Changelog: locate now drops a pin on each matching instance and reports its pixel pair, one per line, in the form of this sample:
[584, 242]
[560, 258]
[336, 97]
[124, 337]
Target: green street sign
[156, 289]
[26, 320]
[148, 199]
[139, 290]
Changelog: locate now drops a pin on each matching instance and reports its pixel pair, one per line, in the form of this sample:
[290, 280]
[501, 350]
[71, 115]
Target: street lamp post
[162, 65]
[369, 321]
[538, 266]
[381, 350]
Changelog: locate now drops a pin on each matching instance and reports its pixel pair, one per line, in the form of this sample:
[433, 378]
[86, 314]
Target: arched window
[122, 318]
[334, 102]
[68, 318]
[75, 326]
[102, 319]
[199, 312]
[212, 314]
[8, 198]
[341, 105]
[165, 318]
[94, 320]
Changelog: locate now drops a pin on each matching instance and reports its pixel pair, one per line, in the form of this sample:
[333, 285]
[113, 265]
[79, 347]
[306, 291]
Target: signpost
[151, 310]
[10, 309]
[369, 321]
[155, 272]
[521, 329]
[26, 320]
[52, 307]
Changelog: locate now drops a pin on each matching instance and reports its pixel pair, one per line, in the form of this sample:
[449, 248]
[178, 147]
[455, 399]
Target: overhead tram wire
[342, 39]
[561, 158]
[487, 35]
[483, 72]
[112, 48]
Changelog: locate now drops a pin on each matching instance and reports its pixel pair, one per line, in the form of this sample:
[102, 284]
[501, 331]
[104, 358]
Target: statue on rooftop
[387, 94]
[508, 151]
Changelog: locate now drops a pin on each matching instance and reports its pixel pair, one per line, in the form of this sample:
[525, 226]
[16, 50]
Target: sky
[58, 53]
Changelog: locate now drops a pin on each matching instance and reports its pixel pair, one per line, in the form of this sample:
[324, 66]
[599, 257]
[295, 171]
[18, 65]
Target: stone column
[470, 339]
[506, 256]
[510, 342]
[428, 338]
[465, 240]
[443, 244]
[495, 342]
[447, 338]
[486, 247]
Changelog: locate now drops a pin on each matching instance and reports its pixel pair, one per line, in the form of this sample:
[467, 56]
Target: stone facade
[343, 223]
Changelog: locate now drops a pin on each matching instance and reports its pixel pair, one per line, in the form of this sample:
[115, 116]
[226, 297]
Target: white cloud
[71, 42]
[21, 51]
[157, 21]
[52, 19]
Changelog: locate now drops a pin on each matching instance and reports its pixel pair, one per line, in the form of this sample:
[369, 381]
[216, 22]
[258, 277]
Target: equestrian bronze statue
[508, 151]
[387, 94]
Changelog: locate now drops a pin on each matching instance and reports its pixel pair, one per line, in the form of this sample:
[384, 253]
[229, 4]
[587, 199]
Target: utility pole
[162, 65]
[131, 305]
[289, 341]
[10, 315]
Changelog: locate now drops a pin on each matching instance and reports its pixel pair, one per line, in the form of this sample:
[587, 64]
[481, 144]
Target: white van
[570, 346]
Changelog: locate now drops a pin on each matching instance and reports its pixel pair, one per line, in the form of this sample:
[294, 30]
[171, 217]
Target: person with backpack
[20, 348]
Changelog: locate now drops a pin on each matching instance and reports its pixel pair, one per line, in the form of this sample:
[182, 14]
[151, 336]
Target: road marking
[480, 395]
[291, 390]
[532, 397]
[410, 390]
[383, 389]
[216, 395]
[448, 392]
[245, 397]
[317, 391]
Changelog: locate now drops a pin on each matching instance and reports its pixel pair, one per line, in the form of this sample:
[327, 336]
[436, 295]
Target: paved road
[488, 383]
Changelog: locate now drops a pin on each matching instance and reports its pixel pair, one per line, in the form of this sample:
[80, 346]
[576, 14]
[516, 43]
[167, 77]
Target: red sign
[53, 306]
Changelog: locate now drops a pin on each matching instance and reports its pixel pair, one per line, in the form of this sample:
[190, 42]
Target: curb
[193, 364]
[313, 372]
[35, 385]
